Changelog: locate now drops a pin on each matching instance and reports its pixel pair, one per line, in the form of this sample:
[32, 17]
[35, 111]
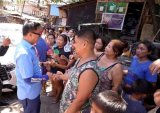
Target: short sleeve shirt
[27, 65]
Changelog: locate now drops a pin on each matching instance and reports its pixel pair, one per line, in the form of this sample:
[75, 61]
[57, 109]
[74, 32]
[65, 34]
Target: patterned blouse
[104, 82]
[71, 88]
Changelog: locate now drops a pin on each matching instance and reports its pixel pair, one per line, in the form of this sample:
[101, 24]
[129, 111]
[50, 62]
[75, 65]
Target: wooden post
[151, 4]
[157, 34]
[23, 7]
[140, 20]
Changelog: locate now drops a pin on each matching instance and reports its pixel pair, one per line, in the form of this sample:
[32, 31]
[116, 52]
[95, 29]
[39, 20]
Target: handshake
[58, 76]
[49, 63]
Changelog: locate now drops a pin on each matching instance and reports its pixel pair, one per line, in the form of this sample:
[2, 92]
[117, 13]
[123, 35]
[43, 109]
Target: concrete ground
[46, 103]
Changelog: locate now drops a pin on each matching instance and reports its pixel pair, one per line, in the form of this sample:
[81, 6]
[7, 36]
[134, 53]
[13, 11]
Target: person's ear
[29, 34]
[85, 43]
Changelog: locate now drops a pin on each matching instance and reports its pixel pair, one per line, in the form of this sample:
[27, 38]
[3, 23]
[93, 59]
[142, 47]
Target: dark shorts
[31, 106]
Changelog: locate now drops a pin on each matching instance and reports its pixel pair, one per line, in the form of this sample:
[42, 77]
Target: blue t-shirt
[134, 106]
[139, 70]
[42, 49]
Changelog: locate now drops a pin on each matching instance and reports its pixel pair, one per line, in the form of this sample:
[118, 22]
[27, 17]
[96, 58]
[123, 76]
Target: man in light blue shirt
[28, 71]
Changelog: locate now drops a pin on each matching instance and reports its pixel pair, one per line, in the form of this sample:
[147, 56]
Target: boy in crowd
[108, 102]
[140, 89]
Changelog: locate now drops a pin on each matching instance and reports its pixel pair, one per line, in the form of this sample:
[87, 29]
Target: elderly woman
[111, 70]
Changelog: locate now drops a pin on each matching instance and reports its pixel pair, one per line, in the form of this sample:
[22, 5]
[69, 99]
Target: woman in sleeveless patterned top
[111, 70]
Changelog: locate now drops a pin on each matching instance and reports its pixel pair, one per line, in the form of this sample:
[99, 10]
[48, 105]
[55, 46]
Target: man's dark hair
[87, 34]
[110, 102]
[30, 27]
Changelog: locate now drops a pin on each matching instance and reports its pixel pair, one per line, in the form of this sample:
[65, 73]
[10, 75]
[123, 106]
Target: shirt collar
[26, 43]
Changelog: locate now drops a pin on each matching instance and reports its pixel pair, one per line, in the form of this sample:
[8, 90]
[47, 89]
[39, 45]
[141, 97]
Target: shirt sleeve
[47, 47]
[37, 78]
[142, 109]
[149, 77]
[25, 66]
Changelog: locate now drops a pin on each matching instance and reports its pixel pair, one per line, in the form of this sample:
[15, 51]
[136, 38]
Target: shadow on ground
[14, 107]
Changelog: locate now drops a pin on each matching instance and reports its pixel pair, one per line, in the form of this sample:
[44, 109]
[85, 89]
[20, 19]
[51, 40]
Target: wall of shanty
[34, 11]
[81, 12]
[122, 0]
[11, 19]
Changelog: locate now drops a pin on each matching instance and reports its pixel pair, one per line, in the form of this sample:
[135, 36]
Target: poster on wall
[117, 7]
[113, 20]
[101, 7]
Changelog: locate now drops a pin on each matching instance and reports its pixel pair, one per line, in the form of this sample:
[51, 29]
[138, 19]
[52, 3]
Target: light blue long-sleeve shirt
[27, 65]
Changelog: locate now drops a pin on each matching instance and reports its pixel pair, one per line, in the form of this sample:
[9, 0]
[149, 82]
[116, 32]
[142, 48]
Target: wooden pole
[140, 21]
[23, 7]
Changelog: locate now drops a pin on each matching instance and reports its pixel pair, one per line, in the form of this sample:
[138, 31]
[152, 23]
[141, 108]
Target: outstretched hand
[61, 76]
[49, 74]
[155, 67]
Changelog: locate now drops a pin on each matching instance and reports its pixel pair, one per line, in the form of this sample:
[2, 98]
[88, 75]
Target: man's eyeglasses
[37, 33]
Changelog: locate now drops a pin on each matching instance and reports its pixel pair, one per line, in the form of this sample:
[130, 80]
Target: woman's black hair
[126, 45]
[64, 37]
[50, 34]
[103, 43]
[151, 48]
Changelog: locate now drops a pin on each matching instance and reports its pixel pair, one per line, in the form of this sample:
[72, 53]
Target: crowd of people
[85, 72]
